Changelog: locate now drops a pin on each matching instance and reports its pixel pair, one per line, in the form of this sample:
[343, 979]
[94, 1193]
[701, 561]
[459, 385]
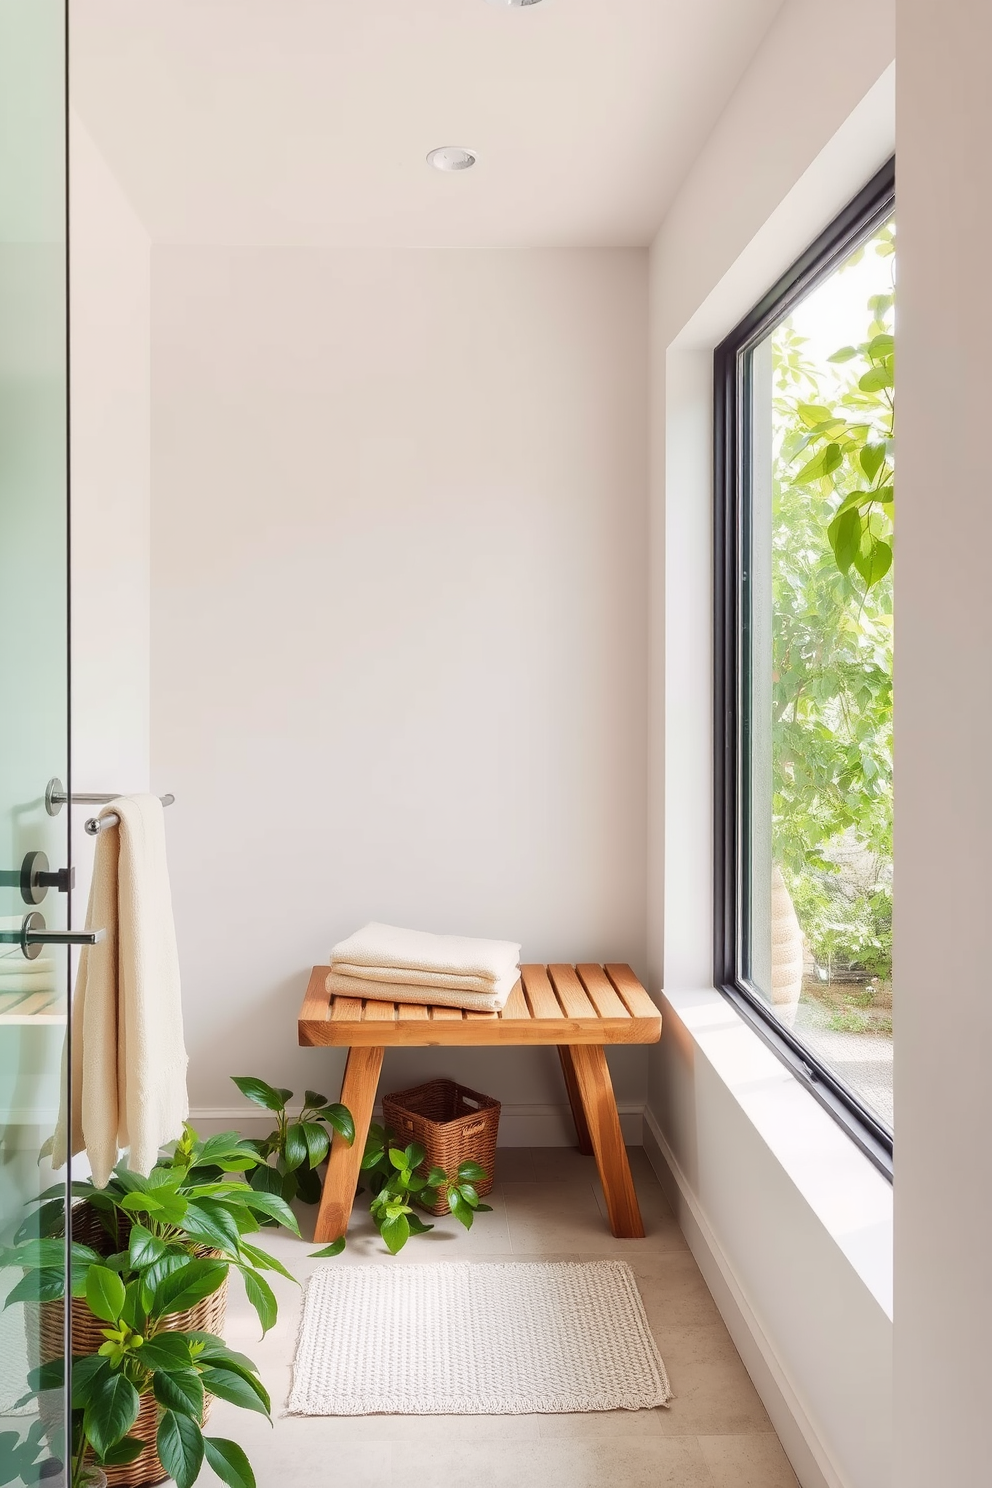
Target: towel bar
[96, 824]
[56, 796]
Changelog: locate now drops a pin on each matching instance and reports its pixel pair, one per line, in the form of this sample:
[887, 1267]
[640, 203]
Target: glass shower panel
[34, 843]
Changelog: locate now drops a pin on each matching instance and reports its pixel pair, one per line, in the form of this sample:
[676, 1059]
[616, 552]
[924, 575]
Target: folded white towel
[128, 1057]
[18, 964]
[413, 978]
[475, 1002]
[381, 947]
[27, 981]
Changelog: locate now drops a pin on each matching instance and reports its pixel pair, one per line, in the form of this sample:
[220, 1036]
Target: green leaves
[180, 1390]
[180, 1448]
[395, 1231]
[274, 1206]
[881, 347]
[871, 458]
[318, 1142]
[461, 1207]
[844, 534]
[144, 1248]
[187, 1285]
[42, 1285]
[831, 643]
[229, 1462]
[261, 1297]
[295, 1146]
[104, 1293]
[873, 560]
[237, 1386]
[822, 464]
[168, 1351]
[211, 1221]
[341, 1119]
[124, 1452]
[877, 378]
[261, 1093]
[111, 1411]
[396, 1186]
[334, 1249]
[263, 1261]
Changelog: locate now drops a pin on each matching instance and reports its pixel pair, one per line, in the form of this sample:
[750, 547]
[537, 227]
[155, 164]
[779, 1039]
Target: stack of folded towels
[394, 965]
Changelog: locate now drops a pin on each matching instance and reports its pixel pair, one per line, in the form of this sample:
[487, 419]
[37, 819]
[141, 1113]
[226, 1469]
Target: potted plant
[150, 1262]
[397, 1187]
[298, 1146]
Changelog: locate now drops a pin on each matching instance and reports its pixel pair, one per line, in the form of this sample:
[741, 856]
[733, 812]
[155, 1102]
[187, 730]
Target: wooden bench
[578, 1008]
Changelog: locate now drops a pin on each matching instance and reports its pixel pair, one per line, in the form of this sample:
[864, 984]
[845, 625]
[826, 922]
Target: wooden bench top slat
[343, 1009]
[539, 993]
[563, 1005]
[571, 993]
[516, 1008]
[601, 991]
[638, 1003]
[379, 1012]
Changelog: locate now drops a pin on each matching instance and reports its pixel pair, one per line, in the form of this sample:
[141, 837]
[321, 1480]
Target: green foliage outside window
[833, 490]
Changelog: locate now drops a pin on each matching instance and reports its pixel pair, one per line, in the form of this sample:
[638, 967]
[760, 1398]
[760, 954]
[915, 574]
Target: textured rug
[504, 1339]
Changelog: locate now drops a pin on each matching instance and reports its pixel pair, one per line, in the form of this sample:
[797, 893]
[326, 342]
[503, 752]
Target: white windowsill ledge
[848, 1194]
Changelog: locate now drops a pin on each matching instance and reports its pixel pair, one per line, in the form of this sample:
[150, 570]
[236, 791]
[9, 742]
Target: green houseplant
[297, 1146]
[165, 1244]
[397, 1187]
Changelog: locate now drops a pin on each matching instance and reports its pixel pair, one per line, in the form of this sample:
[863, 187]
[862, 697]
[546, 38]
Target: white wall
[943, 726]
[110, 371]
[758, 1171]
[399, 576]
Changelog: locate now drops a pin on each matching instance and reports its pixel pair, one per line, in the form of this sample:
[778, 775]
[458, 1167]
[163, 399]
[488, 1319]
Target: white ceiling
[307, 121]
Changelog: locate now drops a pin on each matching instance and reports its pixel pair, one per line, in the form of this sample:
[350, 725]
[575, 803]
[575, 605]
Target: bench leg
[592, 1077]
[361, 1080]
[575, 1100]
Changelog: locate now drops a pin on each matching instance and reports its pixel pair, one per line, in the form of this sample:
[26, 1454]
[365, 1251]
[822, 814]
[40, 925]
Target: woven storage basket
[87, 1336]
[452, 1123]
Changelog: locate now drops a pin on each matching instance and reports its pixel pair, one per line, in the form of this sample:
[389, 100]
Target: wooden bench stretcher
[577, 1008]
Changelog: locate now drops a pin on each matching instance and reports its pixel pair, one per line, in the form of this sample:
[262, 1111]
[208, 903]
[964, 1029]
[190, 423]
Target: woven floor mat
[506, 1338]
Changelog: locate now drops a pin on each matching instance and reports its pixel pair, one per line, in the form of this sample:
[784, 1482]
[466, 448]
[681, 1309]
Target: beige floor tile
[620, 1426]
[714, 1395]
[753, 1461]
[673, 1291]
[585, 1463]
[515, 1164]
[567, 1216]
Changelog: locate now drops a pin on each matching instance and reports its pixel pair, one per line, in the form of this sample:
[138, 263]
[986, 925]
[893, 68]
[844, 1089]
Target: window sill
[850, 1197]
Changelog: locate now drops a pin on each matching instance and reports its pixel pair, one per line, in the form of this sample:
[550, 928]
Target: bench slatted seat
[579, 1009]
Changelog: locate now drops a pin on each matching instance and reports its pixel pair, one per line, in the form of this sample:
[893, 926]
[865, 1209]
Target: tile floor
[547, 1205]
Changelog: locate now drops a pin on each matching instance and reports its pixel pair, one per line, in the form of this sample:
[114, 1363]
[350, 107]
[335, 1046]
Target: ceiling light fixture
[514, 2]
[452, 157]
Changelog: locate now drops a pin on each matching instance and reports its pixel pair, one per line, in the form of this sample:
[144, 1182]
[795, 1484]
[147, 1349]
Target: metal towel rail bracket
[56, 797]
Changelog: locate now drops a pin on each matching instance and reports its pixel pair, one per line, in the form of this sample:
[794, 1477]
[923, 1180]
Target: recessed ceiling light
[514, 2]
[452, 157]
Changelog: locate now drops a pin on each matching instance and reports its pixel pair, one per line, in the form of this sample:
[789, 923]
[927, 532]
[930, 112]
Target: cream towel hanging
[128, 1056]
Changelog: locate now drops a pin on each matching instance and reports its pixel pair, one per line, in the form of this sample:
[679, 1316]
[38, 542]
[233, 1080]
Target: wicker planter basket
[453, 1125]
[87, 1336]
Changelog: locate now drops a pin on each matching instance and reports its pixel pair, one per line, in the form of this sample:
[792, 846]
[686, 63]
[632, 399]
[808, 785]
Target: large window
[805, 406]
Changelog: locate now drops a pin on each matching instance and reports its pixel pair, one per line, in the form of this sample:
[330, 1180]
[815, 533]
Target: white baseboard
[812, 1463]
[519, 1125]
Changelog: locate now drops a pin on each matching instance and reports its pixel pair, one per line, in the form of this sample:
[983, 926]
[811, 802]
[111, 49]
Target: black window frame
[873, 205]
